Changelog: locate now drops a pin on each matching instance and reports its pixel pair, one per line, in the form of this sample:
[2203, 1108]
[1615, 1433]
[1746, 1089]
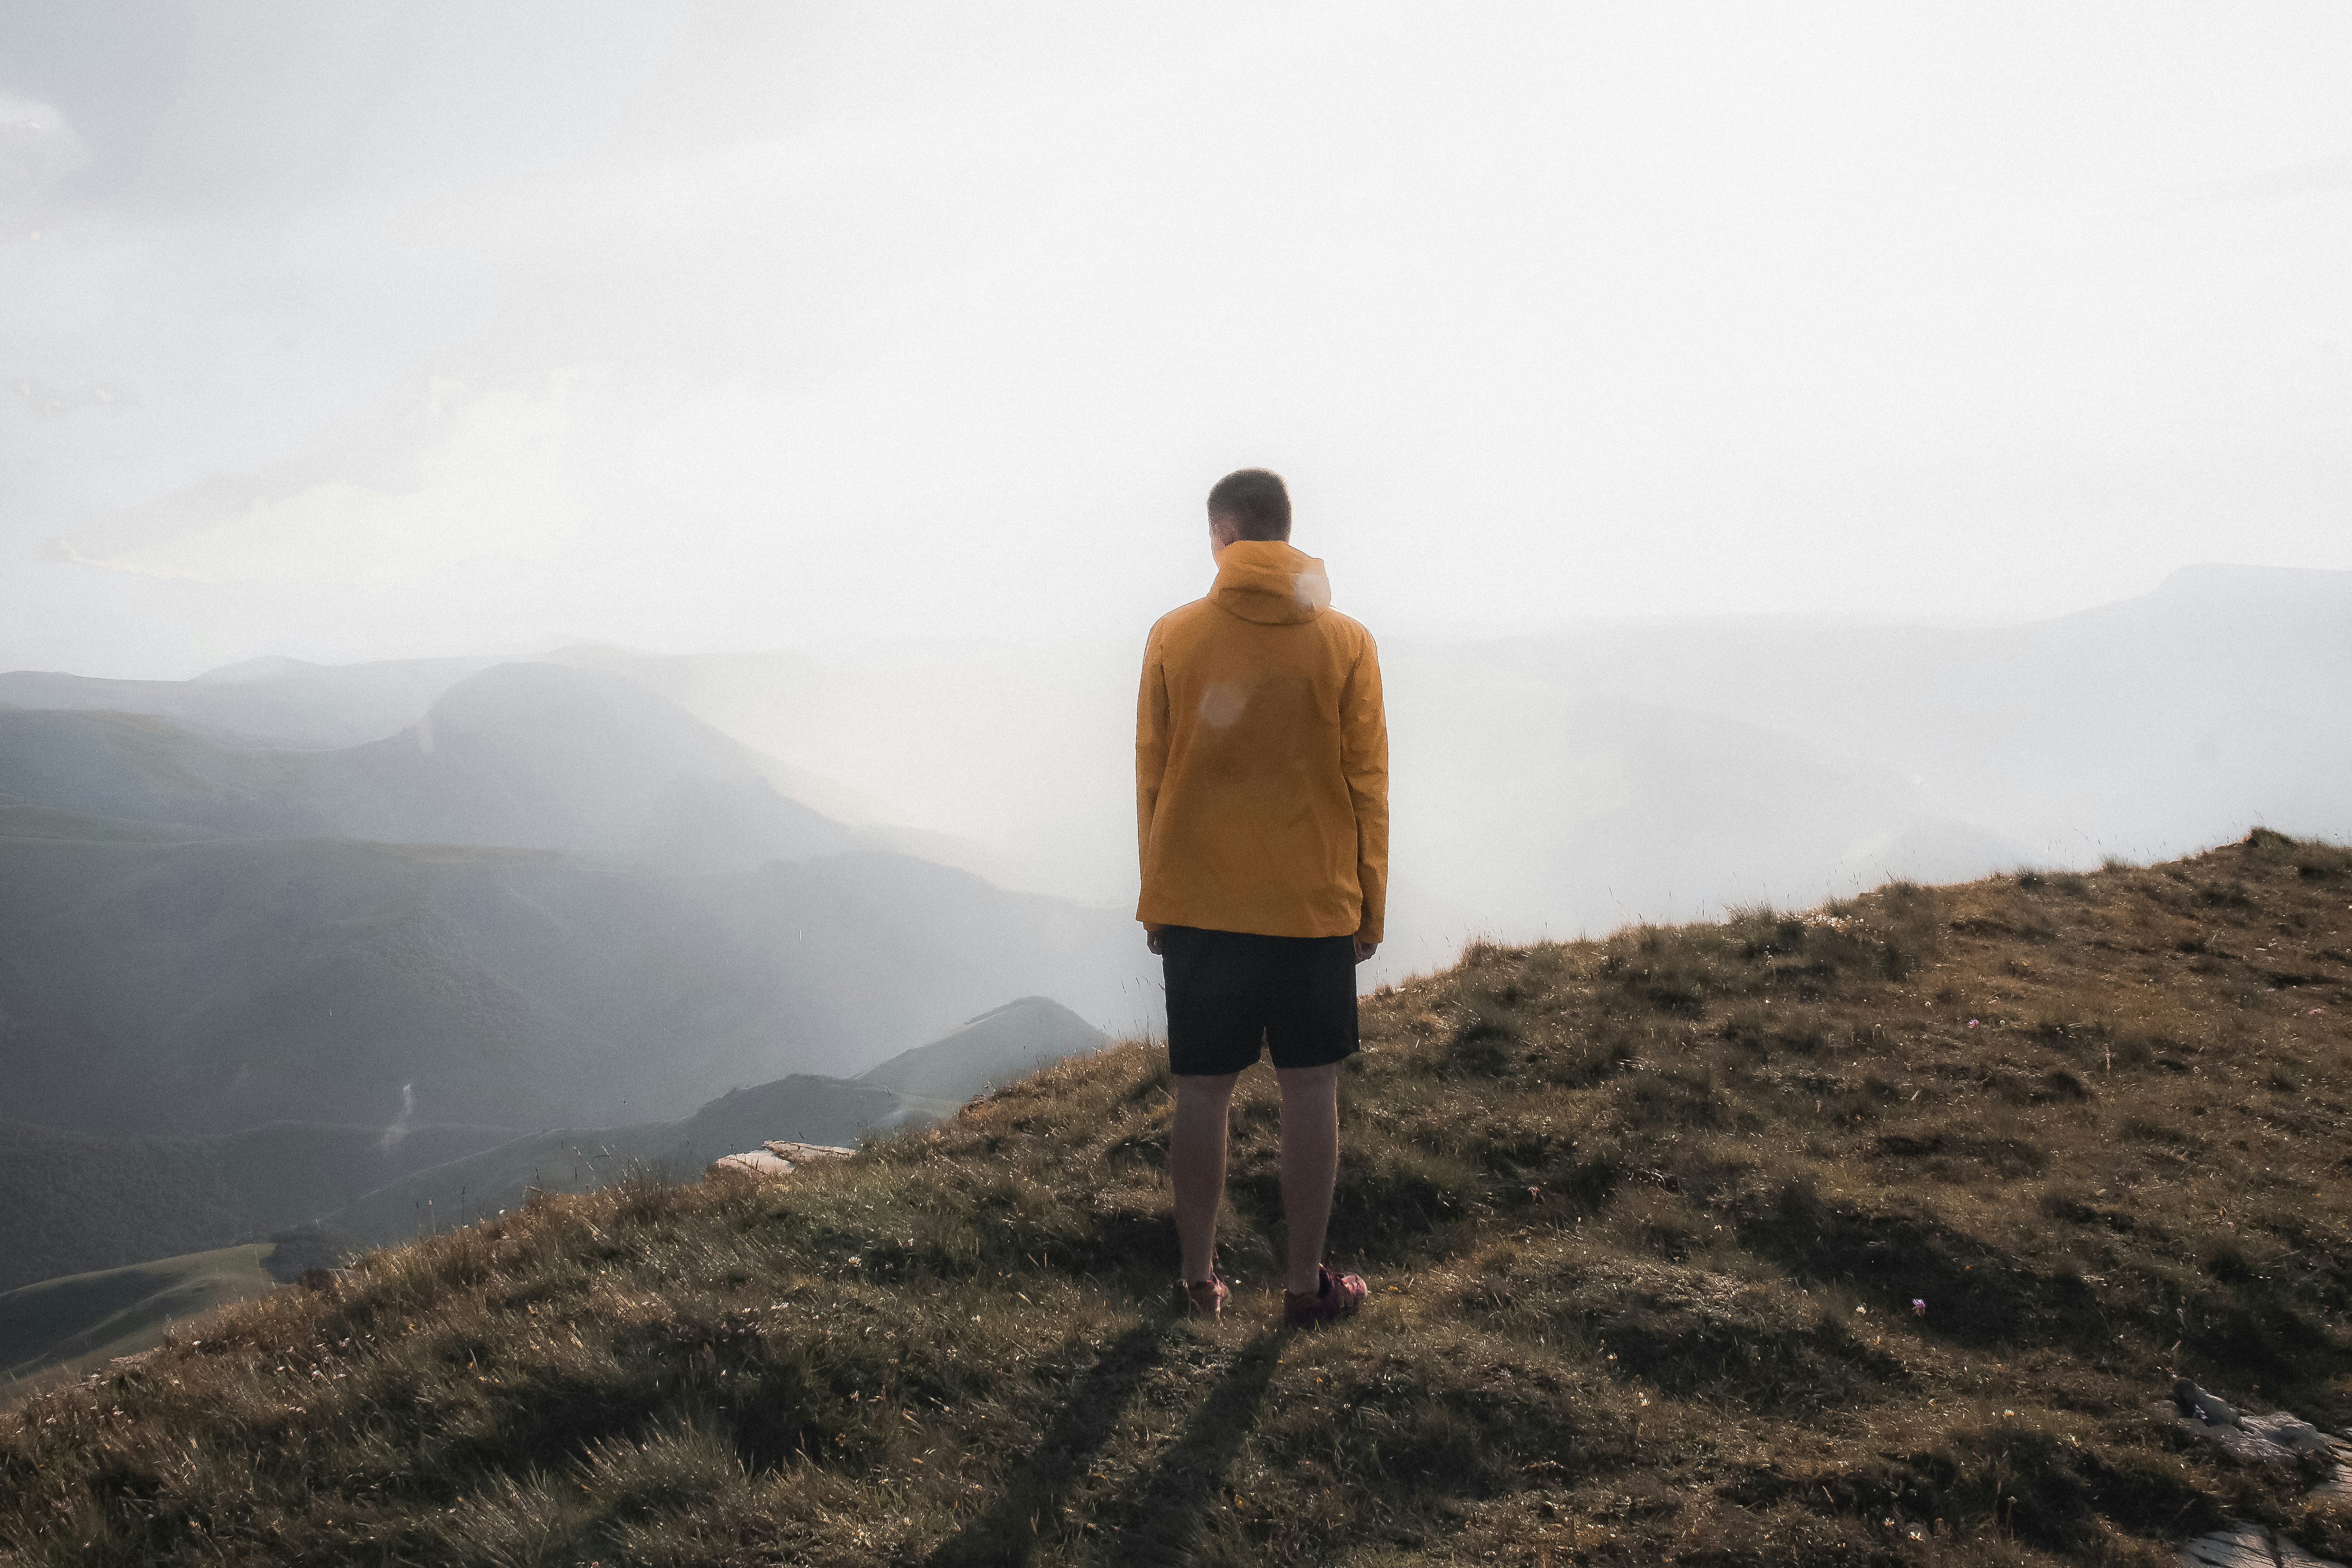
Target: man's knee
[1204, 1088]
[1314, 1080]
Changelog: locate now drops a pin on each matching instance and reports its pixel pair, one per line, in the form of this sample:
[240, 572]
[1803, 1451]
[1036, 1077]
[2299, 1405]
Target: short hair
[1256, 501]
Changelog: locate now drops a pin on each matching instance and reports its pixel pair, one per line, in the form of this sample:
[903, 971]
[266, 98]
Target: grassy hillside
[1645, 1221]
[89, 1319]
[71, 1203]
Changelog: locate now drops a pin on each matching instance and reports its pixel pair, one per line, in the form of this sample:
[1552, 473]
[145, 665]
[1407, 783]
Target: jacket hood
[1266, 581]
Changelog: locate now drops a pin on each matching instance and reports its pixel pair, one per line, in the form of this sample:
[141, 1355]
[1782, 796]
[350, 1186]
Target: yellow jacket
[1262, 757]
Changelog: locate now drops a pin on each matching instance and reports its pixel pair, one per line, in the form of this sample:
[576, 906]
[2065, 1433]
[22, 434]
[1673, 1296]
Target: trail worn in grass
[1645, 1220]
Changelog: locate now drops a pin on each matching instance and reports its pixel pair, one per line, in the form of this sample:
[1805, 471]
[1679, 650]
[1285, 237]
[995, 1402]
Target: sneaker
[1204, 1297]
[1335, 1296]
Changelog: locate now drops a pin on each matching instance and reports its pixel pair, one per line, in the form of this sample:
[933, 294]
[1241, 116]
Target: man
[1261, 775]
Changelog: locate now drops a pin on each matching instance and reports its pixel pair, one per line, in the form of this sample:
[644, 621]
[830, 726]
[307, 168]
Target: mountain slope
[1871, 1235]
[913, 1087]
[271, 703]
[1000, 1045]
[901, 935]
[206, 987]
[2150, 724]
[157, 988]
[91, 1318]
[71, 1203]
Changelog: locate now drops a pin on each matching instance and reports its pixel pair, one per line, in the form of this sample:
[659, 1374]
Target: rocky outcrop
[777, 1158]
[2277, 1440]
[2243, 1545]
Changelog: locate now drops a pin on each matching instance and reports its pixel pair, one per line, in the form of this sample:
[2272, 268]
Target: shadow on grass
[1978, 1297]
[1008, 1531]
[1186, 1481]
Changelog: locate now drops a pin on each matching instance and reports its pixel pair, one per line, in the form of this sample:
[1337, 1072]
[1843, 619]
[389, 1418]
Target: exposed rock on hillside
[776, 1158]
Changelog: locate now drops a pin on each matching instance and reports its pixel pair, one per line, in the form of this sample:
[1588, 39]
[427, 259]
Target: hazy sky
[373, 328]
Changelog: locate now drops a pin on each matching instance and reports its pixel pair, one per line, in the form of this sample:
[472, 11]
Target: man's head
[1248, 503]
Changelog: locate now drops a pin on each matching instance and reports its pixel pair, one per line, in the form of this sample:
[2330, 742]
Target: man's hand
[1151, 940]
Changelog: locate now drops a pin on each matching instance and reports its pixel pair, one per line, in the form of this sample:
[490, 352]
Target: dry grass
[1645, 1219]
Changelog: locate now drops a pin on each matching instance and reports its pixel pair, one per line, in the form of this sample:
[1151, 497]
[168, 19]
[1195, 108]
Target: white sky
[372, 330]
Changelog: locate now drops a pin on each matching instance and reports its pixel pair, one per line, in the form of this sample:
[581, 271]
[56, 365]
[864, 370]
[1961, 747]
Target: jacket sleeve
[1364, 735]
[1150, 747]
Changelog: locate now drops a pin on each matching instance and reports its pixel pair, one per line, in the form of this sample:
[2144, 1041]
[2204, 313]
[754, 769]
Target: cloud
[488, 481]
[1558, 314]
[2323, 176]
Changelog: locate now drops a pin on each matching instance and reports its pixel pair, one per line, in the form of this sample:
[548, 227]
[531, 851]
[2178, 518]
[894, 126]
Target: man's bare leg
[1196, 1167]
[1311, 1165]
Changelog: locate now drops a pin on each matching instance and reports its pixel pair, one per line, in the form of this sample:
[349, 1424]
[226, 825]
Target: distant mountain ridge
[518, 755]
[270, 701]
[503, 907]
[1000, 1045]
[155, 988]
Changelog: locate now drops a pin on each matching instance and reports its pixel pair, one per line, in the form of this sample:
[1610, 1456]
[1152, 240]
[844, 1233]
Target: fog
[394, 330]
[1731, 419]
[572, 575]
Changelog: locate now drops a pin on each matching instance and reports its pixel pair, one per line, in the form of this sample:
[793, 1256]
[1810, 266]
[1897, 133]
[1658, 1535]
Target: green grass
[1643, 1220]
[85, 1319]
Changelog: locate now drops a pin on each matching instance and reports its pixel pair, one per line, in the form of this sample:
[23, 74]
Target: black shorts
[1227, 990]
